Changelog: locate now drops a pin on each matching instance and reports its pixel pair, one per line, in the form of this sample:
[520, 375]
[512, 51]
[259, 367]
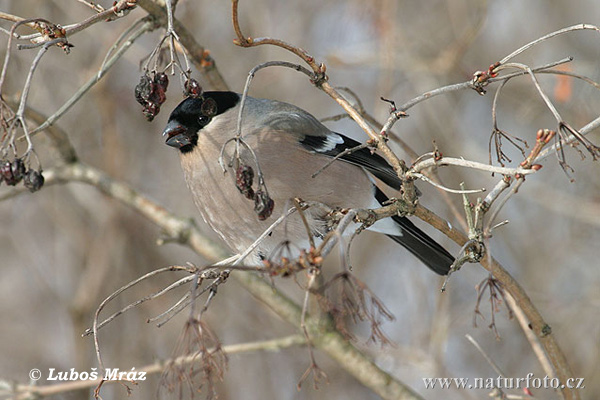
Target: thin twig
[95, 7]
[8, 49]
[136, 303]
[468, 85]
[116, 11]
[338, 156]
[444, 188]
[333, 237]
[536, 83]
[251, 75]
[534, 341]
[417, 168]
[264, 235]
[34, 64]
[548, 36]
[200, 57]
[589, 127]
[188, 299]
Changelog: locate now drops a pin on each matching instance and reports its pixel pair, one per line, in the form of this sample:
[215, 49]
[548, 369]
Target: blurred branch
[15, 19]
[22, 392]
[179, 229]
[10, 17]
[59, 138]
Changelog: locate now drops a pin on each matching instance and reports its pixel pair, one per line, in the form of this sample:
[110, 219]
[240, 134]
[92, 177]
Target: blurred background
[67, 247]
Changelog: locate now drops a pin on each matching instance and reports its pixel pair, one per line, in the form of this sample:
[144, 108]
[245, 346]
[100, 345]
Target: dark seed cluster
[244, 176]
[151, 93]
[263, 203]
[15, 171]
[192, 88]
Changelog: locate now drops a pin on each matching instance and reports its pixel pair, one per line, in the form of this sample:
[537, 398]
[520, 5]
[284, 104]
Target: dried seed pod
[143, 89]
[18, 169]
[192, 88]
[34, 180]
[159, 88]
[4, 169]
[162, 80]
[244, 176]
[263, 205]
[7, 173]
[158, 95]
[151, 110]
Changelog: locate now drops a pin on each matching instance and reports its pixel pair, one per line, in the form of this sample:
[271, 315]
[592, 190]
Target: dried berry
[7, 173]
[159, 88]
[244, 176]
[158, 96]
[18, 169]
[192, 88]
[263, 205]
[4, 169]
[151, 93]
[162, 80]
[143, 89]
[151, 110]
[34, 180]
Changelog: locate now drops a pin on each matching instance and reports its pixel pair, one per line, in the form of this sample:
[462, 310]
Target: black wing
[419, 243]
[334, 144]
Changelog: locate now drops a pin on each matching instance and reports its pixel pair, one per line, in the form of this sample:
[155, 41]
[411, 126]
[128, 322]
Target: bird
[287, 145]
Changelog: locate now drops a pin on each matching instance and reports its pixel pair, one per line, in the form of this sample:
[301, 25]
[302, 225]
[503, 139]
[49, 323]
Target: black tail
[419, 243]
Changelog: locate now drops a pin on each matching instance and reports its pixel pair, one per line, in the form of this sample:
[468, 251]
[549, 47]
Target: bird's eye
[203, 120]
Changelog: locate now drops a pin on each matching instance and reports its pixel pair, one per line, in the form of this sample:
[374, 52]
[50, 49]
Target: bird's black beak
[177, 135]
